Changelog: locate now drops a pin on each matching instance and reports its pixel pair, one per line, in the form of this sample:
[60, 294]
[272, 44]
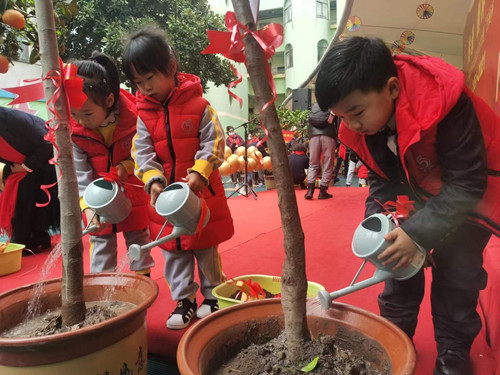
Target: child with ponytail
[102, 132]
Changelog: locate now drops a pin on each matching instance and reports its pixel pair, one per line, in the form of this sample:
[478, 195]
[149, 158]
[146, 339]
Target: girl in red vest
[179, 138]
[422, 133]
[102, 132]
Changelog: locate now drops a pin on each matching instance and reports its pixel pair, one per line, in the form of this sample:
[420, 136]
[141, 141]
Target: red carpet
[257, 248]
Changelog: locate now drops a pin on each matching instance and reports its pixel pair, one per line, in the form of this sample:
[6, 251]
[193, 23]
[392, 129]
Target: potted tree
[118, 345]
[198, 349]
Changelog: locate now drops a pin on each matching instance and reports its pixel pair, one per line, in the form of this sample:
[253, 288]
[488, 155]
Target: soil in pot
[50, 322]
[322, 356]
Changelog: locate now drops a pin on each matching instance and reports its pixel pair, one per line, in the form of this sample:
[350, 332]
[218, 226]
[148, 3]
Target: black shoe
[182, 314]
[323, 193]
[310, 191]
[335, 180]
[453, 362]
[207, 307]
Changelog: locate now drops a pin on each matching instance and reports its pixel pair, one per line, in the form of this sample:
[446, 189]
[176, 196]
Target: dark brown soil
[50, 322]
[271, 359]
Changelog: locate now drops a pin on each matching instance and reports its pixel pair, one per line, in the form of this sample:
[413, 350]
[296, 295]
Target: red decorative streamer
[234, 83]
[230, 44]
[75, 97]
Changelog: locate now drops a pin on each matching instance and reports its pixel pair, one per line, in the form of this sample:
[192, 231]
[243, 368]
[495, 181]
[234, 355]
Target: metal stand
[247, 188]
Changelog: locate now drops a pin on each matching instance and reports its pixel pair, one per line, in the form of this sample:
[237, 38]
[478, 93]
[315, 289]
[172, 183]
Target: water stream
[122, 264]
[35, 321]
[34, 304]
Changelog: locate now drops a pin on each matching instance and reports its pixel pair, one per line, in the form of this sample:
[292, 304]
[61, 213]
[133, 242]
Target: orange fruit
[13, 18]
[4, 64]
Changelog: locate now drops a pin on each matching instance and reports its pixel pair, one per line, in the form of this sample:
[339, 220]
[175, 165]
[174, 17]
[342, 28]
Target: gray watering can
[368, 242]
[183, 209]
[108, 200]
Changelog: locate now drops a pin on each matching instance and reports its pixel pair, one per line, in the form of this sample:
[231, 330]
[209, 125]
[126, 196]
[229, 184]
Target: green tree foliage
[11, 40]
[289, 120]
[103, 25]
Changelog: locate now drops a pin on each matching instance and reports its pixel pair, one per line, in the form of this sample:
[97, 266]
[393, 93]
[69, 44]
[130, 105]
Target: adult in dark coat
[322, 141]
[26, 155]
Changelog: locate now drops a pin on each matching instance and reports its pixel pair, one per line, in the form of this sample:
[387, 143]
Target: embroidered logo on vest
[424, 164]
[187, 126]
[127, 144]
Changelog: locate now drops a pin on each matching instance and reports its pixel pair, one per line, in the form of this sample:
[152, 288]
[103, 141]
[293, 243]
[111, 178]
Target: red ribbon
[230, 44]
[75, 97]
[73, 86]
[401, 209]
[111, 176]
[234, 83]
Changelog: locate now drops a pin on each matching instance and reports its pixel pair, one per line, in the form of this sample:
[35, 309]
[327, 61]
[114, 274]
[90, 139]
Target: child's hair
[356, 63]
[229, 128]
[100, 78]
[298, 146]
[147, 50]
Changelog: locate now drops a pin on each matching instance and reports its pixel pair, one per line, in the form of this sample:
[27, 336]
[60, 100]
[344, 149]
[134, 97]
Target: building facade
[308, 27]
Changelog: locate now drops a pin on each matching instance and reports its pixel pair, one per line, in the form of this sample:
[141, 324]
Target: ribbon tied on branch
[230, 44]
[65, 78]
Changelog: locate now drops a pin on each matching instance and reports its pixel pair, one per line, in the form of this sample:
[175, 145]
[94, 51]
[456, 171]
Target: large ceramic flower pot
[220, 336]
[115, 346]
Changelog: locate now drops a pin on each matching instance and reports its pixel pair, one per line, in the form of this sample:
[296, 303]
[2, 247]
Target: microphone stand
[248, 189]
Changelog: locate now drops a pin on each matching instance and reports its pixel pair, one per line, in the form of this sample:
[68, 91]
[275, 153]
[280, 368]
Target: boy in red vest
[422, 133]
[179, 138]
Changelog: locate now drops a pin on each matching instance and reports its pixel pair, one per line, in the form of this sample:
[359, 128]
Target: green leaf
[310, 366]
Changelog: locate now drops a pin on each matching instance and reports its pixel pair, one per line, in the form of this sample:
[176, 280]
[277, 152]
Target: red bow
[111, 176]
[403, 205]
[73, 86]
[230, 44]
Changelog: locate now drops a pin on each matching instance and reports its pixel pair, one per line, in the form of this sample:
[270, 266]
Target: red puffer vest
[435, 88]
[102, 158]
[174, 131]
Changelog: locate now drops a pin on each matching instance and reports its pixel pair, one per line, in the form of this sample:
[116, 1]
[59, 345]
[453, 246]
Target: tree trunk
[294, 281]
[73, 304]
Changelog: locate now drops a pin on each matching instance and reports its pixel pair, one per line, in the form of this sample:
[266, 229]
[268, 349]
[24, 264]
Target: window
[322, 46]
[322, 9]
[289, 56]
[24, 53]
[287, 11]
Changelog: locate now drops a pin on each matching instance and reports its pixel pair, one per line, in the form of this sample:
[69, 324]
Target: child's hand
[195, 181]
[17, 168]
[93, 221]
[402, 250]
[155, 190]
[121, 171]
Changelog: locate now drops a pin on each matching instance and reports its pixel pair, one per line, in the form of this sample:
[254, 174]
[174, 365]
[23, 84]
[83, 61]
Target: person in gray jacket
[322, 140]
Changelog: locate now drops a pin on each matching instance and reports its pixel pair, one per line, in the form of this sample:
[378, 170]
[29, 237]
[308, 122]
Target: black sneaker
[207, 307]
[182, 314]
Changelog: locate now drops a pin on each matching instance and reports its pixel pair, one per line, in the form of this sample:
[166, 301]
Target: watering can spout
[181, 208]
[326, 298]
[368, 243]
[135, 250]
